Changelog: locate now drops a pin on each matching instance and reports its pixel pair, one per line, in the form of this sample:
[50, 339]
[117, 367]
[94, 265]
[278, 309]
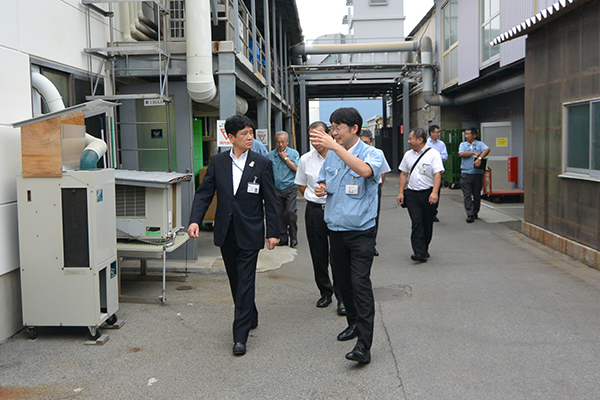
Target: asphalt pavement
[491, 315]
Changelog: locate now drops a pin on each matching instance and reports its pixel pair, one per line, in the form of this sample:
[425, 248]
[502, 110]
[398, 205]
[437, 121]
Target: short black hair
[236, 123]
[317, 124]
[473, 130]
[366, 133]
[346, 115]
[419, 133]
[432, 128]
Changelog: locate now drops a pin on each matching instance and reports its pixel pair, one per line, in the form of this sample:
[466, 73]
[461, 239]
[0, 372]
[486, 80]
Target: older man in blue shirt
[472, 153]
[285, 164]
[350, 178]
[435, 143]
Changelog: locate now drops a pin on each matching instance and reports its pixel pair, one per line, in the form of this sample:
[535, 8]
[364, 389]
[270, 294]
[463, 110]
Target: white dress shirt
[308, 173]
[237, 168]
[422, 176]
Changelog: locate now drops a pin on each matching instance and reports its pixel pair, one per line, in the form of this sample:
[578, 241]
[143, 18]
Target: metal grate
[177, 13]
[130, 201]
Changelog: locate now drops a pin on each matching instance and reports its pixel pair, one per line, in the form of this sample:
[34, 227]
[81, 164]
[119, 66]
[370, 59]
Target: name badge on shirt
[253, 187]
[351, 189]
[424, 169]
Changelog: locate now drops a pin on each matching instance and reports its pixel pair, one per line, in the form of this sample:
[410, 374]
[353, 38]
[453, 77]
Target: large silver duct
[389, 47]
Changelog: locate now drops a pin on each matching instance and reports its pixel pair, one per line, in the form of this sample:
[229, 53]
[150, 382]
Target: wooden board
[74, 118]
[41, 149]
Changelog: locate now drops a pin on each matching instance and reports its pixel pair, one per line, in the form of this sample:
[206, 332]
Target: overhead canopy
[539, 20]
[89, 109]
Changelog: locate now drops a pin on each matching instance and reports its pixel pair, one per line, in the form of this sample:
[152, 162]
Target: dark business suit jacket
[245, 209]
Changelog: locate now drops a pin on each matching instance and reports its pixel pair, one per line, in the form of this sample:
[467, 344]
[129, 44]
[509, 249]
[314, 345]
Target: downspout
[125, 23]
[95, 148]
[493, 89]
[200, 81]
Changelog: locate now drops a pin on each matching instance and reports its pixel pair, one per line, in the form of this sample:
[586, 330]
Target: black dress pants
[287, 210]
[241, 270]
[318, 242]
[471, 185]
[351, 260]
[421, 216]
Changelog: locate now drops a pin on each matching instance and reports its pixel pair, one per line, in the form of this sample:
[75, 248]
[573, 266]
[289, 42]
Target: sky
[320, 17]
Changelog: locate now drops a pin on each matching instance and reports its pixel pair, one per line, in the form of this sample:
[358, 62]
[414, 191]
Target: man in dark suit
[243, 180]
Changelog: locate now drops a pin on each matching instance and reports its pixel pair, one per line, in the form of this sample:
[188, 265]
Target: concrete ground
[492, 315]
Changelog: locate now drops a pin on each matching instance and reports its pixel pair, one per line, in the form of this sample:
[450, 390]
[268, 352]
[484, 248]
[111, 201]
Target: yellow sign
[502, 142]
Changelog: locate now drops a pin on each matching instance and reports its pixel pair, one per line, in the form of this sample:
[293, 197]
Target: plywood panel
[74, 118]
[41, 149]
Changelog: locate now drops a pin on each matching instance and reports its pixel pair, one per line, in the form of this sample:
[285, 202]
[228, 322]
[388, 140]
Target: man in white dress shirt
[314, 217]
[420, 178]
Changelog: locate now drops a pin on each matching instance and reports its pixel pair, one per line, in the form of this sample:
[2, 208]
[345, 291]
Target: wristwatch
[479, 158]
[285, 159]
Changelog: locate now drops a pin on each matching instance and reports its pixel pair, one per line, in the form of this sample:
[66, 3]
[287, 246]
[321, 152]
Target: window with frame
[450, 43]
[582, 137]
[490, 28]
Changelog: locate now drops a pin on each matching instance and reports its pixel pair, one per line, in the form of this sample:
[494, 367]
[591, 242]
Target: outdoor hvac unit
[68, 250]
[148, 204]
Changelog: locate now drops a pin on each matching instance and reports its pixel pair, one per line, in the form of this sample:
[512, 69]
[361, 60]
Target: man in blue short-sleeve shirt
[350, 178]
[472, 153]
[285, 164]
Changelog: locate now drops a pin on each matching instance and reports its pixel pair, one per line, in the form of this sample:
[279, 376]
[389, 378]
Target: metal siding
[512, 13]
[468, 40]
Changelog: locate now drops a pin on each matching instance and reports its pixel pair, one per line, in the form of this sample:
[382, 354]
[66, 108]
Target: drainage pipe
[145, 20]
[200, 81]
[390, 47]
[126, 23]
[134, 14]
[504, 86]
[95, 148]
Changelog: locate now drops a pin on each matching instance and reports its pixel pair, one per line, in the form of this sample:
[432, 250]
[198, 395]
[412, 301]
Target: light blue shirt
[284, 176]
[351, 212]
[259, 148]
[440, 147]
[466, 163]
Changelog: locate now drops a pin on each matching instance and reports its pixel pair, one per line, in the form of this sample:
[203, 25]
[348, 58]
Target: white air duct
[95, 148]
[200, 81]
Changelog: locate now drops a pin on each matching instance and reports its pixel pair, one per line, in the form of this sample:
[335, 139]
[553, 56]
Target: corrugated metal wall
[468, 40]
[512, 13]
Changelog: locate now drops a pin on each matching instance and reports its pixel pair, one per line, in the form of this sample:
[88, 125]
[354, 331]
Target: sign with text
[261, 135]
[154, 102]
[502, 142]
[222, 139]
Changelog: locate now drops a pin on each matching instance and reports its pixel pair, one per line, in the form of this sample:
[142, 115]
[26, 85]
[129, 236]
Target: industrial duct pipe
[390, 47]
[95, 148]
[504, 86]
[200, 81]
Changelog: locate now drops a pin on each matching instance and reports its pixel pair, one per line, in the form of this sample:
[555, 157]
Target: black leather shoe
[376, 253]
[324, 301]
[348, 334]
[293, 244]
[359, 354]
[282, 243]
[239, 349]
[470, 219]
[254, 325]
[418, 257]
[435, 219]
[341, 310]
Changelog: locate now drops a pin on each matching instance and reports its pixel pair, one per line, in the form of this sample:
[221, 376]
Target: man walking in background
[435, 142]
[420, 178]
[285, 163]
[472, 152]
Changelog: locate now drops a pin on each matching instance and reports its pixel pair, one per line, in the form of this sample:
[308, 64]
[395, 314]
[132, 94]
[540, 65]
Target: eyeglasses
[338, 128]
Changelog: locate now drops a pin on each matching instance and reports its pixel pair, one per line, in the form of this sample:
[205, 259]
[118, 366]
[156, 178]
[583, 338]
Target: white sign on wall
[261, 135]
[222, 139]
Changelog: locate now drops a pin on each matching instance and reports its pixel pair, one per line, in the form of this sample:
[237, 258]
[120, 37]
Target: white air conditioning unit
[148, 204]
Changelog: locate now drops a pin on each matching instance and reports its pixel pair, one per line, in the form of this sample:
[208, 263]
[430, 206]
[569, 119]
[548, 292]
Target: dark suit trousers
[241, 270]
[318, 242]
[471, 185]
[421, 215]
[351, 260]
[287, 210]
